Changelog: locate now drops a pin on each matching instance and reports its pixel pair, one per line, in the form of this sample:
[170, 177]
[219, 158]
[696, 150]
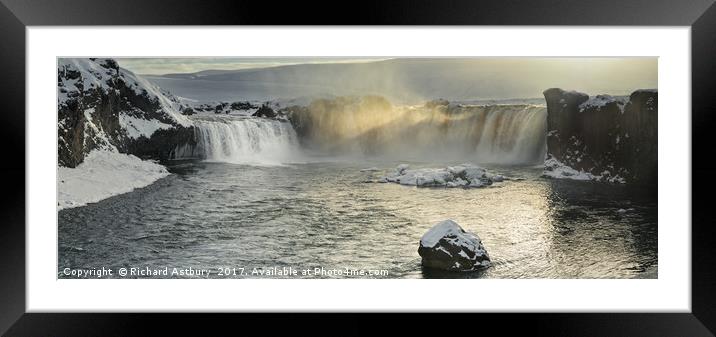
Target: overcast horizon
[165, 66]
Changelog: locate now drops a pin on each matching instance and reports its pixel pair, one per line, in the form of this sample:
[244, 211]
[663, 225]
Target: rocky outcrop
[604, 138]
[229, 108]
[103, 106]
[265, 111]
[221, 107]
[245, 105]
[447, 246]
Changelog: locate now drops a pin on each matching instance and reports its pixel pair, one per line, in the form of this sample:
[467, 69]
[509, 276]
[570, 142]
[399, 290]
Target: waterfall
[501, 134]
[243, 140]
[512, 134]
[496, 134]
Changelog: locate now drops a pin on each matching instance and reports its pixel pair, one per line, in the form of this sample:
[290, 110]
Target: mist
[371, 126]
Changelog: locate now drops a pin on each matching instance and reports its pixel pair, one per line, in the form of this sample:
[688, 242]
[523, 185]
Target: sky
[162, 66]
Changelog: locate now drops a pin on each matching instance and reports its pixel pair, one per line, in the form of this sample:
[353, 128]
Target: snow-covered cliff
[102, 106]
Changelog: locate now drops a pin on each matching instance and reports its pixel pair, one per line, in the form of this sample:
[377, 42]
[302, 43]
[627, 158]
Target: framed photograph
[530, 163]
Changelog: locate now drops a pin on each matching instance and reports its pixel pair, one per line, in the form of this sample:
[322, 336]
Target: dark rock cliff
[103, 106]
[605, 138]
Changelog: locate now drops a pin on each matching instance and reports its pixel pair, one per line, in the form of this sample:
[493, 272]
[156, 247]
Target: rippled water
[304, 216]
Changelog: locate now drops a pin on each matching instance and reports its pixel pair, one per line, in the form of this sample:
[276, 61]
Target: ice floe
[464, 175]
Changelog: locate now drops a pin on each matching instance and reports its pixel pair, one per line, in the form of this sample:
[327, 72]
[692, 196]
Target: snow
[446, 252]
[556, 169]
[440, 230]
[553, 168]
[601, 101]
[104, 174]
[464, 175]
[169, 106]
[138, 127]
[186, 100]
[92, 74]
[99, 136]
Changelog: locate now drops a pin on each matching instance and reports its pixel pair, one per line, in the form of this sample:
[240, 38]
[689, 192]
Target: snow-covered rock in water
[103, 174]
[102, 106]
[447, 246]
[465, 175]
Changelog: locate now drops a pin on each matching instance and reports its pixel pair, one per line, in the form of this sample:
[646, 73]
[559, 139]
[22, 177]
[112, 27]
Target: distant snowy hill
[102, 106]
[405, 80]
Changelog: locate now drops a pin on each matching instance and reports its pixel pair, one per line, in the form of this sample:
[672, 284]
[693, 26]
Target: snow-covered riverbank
[103, 174]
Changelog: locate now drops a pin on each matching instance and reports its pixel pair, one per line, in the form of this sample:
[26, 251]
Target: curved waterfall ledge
[371, 125]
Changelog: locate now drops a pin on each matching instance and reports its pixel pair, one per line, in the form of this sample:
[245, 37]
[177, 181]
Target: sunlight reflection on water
[326, 215]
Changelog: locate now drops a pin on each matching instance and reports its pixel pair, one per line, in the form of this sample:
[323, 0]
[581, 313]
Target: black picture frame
[16, 15]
